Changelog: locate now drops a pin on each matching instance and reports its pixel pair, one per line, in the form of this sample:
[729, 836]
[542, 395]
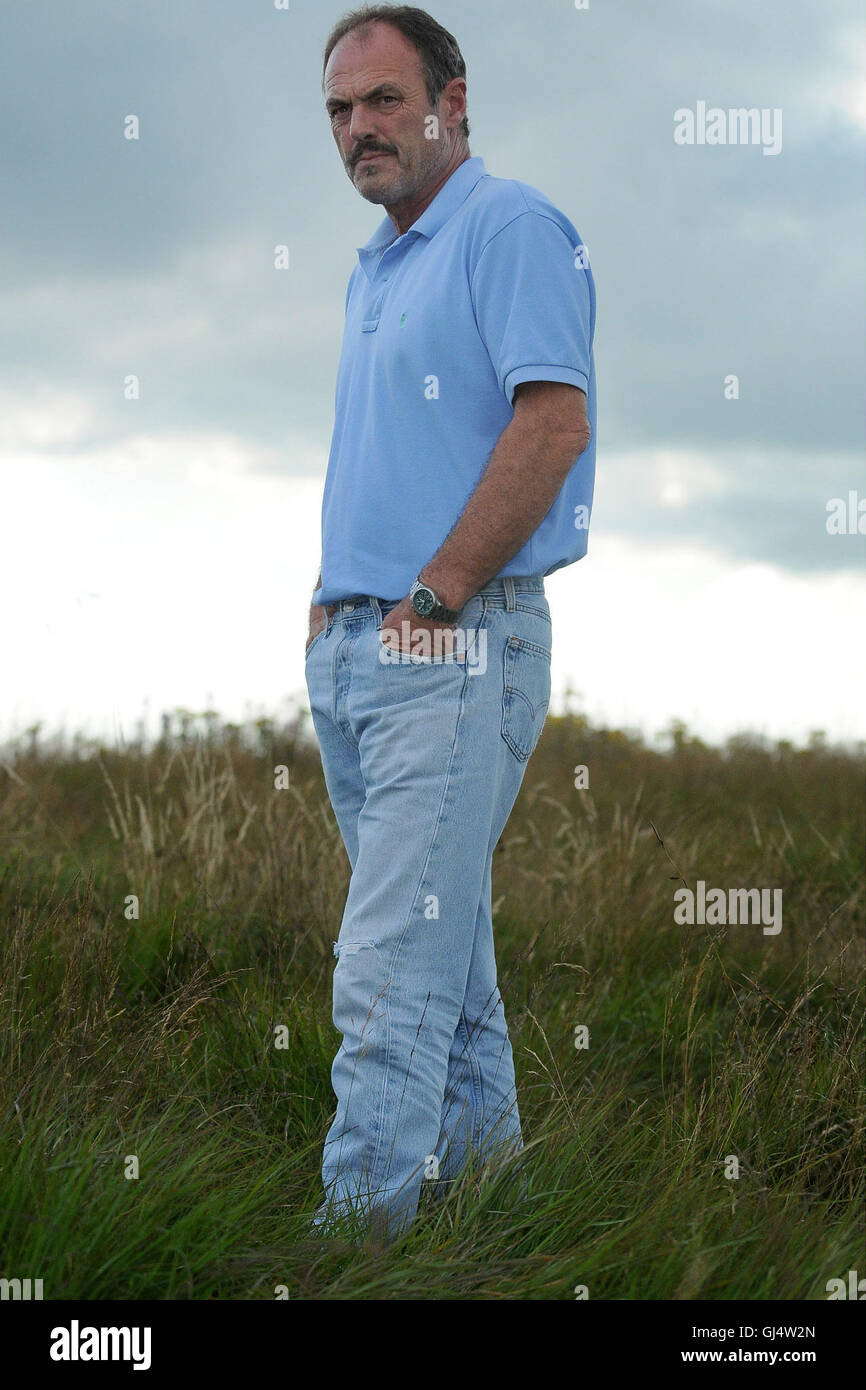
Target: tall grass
[153, 1037]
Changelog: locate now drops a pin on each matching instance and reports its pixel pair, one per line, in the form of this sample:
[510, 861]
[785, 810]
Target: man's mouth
[374, 154]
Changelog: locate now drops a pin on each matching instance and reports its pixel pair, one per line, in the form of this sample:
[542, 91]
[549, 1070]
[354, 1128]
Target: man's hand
[403, 630]
[318, 620]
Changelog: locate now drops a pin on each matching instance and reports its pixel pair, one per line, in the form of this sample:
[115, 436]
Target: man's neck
[407, 212]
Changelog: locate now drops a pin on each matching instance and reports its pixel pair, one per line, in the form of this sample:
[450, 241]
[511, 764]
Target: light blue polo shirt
[489, 288]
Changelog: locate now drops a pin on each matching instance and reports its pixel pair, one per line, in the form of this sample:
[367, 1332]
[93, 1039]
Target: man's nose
[360, 129]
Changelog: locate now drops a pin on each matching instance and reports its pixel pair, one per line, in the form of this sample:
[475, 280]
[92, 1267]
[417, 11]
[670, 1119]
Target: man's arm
[523, 477]
[318, 616]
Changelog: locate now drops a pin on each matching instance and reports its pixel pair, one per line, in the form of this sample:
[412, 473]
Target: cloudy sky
[160, 552]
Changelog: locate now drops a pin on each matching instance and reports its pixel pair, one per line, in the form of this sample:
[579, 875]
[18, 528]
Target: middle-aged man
[461, 473]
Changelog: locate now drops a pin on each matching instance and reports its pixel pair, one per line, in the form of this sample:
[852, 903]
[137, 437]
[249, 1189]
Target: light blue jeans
[423, 760]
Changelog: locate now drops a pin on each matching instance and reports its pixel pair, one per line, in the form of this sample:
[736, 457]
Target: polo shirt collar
[449, 198]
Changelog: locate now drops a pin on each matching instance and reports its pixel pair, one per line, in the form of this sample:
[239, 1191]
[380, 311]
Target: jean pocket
[428, 649]
[319, 635]
[525, 695]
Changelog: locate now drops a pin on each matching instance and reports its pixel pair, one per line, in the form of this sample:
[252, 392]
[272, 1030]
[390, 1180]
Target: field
[705, 1144]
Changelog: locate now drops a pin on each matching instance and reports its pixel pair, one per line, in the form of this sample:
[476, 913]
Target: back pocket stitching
[512, 646]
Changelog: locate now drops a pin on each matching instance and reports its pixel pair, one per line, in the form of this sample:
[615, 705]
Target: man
[461, 473]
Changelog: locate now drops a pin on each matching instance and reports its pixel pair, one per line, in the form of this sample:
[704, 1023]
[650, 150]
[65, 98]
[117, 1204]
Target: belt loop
[508, 582]
[377, 612]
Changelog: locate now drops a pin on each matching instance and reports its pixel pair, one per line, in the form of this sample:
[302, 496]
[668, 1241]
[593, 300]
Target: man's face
[377, 100]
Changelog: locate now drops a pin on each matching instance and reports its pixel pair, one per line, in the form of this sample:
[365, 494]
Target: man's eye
[390, 98]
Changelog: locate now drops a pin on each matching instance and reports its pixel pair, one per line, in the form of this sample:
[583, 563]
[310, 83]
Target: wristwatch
[426, 604]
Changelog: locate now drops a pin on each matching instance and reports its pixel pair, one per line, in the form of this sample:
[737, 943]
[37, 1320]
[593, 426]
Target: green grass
[154, 1038]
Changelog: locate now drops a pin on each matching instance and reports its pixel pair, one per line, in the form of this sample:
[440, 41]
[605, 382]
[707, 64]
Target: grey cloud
[156, 256]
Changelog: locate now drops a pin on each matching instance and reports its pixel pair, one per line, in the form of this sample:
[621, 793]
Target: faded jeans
[423, 760]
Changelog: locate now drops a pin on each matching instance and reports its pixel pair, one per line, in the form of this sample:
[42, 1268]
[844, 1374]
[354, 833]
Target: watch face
[423, 601]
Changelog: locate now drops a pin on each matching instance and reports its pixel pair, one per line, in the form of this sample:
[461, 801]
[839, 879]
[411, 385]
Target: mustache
[374, 149]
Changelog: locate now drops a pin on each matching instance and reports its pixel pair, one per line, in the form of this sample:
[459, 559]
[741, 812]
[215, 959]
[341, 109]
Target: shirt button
[348, 607]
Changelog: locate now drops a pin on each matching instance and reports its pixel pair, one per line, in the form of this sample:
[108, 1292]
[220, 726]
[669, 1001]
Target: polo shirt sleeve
[532, 305]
